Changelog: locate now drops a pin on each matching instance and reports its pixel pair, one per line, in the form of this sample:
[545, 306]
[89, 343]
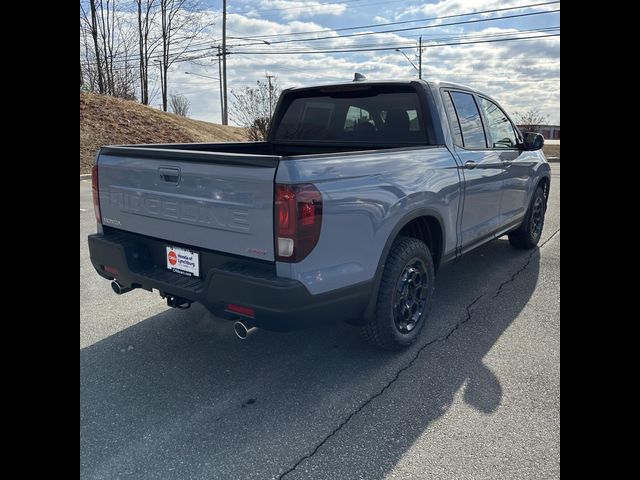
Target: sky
[520, 74]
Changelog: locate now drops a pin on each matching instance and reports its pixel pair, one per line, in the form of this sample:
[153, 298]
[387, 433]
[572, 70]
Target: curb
[85, 176]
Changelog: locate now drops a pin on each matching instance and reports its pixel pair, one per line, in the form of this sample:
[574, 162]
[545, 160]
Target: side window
[470, 120]
[355, 116]
[453, 120]
[500, 128]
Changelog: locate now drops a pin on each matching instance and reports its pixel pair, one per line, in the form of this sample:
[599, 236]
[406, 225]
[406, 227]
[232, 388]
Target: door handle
[170, 175]
[470, 164]
[507, 163]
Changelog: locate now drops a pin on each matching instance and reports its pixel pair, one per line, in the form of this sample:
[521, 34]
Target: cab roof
[431, 82]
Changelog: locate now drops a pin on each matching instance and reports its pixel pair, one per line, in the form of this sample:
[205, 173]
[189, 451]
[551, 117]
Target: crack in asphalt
[525, 265]
[409, 364]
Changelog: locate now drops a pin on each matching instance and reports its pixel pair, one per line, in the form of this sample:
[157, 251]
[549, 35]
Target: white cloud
[254, 27]
[292, 9]
[379, 19]
[519, 74]
[454, 7]
[509, 73]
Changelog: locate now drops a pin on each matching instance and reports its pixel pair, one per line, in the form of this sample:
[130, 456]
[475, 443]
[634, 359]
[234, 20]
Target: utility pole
[225, 116]
[269, 77]
[420, 59]
[222, 105]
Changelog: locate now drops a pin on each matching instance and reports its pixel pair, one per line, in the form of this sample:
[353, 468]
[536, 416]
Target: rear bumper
[278, 303]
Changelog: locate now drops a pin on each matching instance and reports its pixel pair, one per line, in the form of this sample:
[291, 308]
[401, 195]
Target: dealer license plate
[181, 260]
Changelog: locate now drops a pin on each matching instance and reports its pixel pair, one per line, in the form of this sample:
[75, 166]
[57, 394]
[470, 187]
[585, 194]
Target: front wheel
[528, 234]
[404, 296]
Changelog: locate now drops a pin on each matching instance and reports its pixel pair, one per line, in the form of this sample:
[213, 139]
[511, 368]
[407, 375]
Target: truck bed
[208, 195]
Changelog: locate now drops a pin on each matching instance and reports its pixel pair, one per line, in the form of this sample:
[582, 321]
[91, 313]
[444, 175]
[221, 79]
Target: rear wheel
[404, 296]
[528, 234]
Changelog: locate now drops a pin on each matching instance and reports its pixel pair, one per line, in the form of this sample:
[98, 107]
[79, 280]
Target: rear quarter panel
[365, 195]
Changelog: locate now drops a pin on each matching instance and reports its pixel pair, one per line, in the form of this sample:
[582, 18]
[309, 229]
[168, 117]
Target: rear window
[372, 114]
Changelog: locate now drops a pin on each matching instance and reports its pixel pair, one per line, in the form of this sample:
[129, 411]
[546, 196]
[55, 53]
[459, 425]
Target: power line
[212, 46]
[135, 66]
[132, 58]
[274, 62]
[450, 37]
[265, 52]
[360, 34]
[463, 22]
[191, 50]
[358, 49]
[398, 44]
[375, 25]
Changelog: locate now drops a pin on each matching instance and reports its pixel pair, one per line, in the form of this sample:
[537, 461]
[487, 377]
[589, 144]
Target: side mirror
[532, 141]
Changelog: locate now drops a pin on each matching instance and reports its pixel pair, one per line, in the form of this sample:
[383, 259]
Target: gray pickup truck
[362, 191]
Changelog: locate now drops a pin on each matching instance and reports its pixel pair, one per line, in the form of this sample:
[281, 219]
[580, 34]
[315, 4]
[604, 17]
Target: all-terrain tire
[528, 234]
[404, 296]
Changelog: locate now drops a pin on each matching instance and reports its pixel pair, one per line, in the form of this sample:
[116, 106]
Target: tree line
[121, 41]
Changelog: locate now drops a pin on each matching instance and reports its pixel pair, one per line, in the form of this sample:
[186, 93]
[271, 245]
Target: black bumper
[278, 303]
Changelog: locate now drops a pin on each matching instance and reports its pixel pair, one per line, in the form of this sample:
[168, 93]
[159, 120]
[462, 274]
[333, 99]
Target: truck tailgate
[217, 201]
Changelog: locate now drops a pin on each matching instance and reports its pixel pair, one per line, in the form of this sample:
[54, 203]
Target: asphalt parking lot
[173, 394]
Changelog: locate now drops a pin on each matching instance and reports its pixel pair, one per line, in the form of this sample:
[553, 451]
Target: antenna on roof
[358, 77]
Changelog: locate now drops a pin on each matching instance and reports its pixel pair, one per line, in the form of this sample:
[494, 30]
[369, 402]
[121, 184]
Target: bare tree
[121, 39]
[110, 66]
[105, 29]
[125, 75]
[147, 42]
[531, 120]
[81, 34]
[251, 107]
[181, 21]
[179, 104]
[90, 53]
[88, 64]
[94, 35]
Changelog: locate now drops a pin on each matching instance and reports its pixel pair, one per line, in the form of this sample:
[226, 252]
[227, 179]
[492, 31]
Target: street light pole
[225, 116]
[412, 64]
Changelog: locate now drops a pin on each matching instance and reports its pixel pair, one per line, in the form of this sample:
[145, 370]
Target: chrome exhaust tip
[119, 289]
[242, 331]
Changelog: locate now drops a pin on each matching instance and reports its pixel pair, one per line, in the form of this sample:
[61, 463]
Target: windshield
[372, 114]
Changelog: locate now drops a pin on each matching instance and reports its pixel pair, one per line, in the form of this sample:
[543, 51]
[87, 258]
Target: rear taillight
[298, 218]
[111, 270]
[96, 193]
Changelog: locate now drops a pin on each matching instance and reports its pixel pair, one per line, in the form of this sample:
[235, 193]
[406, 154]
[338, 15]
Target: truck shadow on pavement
[178, 396]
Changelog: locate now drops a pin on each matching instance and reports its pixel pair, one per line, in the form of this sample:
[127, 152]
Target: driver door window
[502, 134]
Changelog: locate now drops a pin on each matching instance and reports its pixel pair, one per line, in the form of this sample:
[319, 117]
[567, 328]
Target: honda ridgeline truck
[360, 193]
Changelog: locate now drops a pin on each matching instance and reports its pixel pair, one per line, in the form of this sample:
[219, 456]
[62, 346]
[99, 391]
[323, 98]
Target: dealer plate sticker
[183, 261]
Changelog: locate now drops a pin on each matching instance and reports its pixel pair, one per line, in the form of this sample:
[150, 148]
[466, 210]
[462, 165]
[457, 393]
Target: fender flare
[377, 278]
